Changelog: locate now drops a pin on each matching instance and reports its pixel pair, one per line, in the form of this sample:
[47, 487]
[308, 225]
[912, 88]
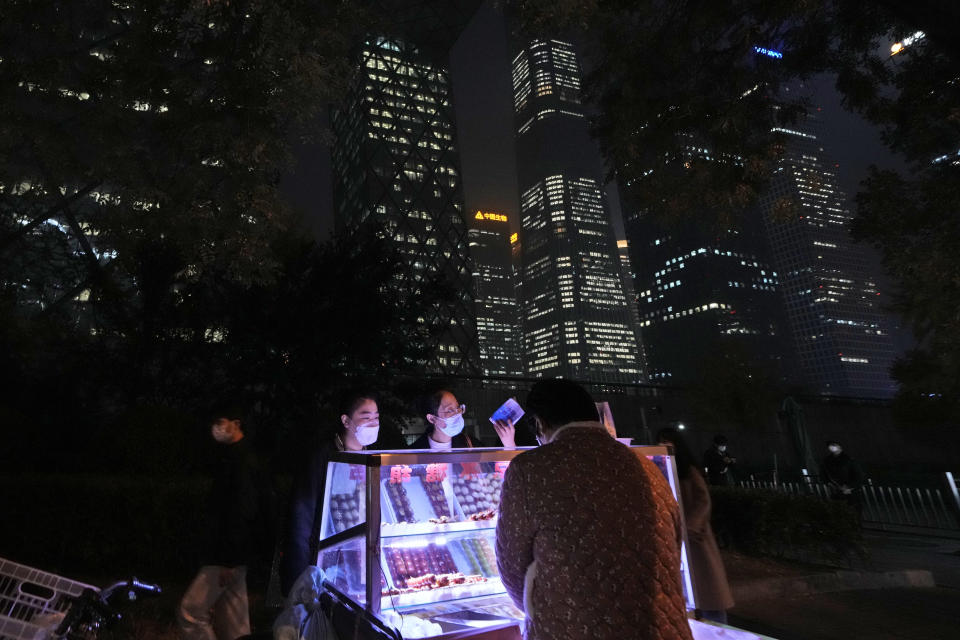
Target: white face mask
[834, 449]
[451, 426]
[722, 448]
[366, 434]
[541, 437]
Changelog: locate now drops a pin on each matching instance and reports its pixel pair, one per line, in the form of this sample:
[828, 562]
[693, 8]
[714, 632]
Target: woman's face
[449, 407]
[365, 413]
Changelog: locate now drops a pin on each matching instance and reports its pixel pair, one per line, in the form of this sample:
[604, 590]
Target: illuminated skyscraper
[396, 166]
[498, 314]
[839, 331]
[576, 322]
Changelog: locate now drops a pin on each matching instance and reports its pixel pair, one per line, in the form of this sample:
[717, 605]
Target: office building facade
[497, 311]
[703, 294]
[396, 169]
[839, 331]
[633, 300]
[575, 315]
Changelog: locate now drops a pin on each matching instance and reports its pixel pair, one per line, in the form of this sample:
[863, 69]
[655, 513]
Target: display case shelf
[405, 529]
[490, 587]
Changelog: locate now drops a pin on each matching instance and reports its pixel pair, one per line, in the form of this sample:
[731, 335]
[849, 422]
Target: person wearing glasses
[444, 416]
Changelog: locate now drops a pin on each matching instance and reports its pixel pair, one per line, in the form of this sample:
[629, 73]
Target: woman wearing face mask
[358, 428]
[444, 416]
[709, 575]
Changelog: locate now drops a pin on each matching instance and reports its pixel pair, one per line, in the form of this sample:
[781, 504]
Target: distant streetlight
[681, 426]
[897, 47]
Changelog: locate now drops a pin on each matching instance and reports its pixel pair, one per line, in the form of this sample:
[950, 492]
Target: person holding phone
[444, 416]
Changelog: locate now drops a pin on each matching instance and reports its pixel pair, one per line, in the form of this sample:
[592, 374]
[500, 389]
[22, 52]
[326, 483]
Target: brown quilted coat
[604, 530]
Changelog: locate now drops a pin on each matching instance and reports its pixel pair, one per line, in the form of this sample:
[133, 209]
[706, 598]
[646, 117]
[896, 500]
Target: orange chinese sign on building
[486, 215]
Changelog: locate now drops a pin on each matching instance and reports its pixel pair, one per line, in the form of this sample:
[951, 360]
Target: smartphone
[509, 410]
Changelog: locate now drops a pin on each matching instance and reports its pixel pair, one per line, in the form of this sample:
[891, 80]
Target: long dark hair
[686, 462]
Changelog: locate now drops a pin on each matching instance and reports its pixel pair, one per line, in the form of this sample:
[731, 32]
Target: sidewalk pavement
[909, 588]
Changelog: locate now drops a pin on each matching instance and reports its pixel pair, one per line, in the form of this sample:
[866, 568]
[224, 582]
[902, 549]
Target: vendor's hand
[507, 433]
[226, 576]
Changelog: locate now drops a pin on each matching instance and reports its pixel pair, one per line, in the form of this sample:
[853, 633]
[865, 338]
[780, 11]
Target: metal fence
[883, 506]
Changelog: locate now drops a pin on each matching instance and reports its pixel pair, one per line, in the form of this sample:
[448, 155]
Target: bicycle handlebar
[95, 608]
[133, 587]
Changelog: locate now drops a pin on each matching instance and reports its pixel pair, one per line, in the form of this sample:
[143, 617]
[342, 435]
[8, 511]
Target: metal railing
[882, 506]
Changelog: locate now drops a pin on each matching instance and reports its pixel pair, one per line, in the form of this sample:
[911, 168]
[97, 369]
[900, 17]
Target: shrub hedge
[102, 525]
[782, 525]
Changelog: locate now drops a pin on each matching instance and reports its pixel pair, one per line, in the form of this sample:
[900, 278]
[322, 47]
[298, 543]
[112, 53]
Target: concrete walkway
[831, 605]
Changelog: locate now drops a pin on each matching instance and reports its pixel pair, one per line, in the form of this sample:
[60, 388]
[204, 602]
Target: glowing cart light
[681, 426]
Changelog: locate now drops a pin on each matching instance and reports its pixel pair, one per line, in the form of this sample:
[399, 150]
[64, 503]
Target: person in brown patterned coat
[588, 540]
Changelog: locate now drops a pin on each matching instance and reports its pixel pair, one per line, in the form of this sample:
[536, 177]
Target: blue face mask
[451, 426]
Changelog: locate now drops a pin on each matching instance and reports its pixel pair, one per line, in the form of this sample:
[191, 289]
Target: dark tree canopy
[147, 255]
[175, 117]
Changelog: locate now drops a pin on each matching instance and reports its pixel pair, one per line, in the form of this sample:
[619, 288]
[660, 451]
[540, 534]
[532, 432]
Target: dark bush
[107, 526]
[782, 525]
[102, 525]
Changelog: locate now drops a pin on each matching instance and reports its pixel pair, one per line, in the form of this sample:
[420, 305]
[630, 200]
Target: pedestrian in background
[215, 605]
[717, 462]
[710, 584]
[843, 475]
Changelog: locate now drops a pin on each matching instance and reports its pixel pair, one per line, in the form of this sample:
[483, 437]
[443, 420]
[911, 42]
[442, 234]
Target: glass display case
[409, 535]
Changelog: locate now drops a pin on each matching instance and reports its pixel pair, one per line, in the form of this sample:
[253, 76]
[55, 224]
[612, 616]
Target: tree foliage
[157, 132]
[330, 320]
[148, 259]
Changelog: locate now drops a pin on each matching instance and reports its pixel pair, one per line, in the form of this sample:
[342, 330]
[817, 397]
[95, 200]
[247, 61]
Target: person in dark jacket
[357, 429]
[717, 462]
[215, 604]
[444, 416]
[843, 475]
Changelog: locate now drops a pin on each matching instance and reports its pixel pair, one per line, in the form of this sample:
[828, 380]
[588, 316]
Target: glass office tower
[839, 331]
[576, 322]
[396, 167]
[498, 314]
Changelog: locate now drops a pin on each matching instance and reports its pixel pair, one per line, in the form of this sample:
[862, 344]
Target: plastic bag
[302, 617]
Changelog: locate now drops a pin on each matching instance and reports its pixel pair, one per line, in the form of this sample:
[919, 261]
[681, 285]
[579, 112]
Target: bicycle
[36, 605]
